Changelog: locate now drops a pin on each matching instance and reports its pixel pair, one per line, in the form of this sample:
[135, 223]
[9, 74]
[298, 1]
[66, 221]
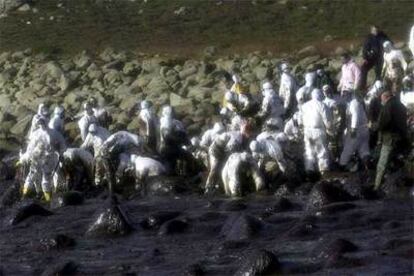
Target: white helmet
[58, 110]
[274, 123]
[235, 78]
[387, 44]
[378, 85]
[319, 72]
[133, 157]
[93, 128]
[284, 67]
[195, 142]
[145, 105]
[42, 110]
[167, 111]
[230, 96]
[317, 94]
[218, 127]
[267, 86]
[255, 146]
[310, 78]
[300, 96]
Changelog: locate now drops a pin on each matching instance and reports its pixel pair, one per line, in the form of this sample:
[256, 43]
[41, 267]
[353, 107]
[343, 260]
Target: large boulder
[326, 192]
[240, 227]
[259, 262]
[181, 105]
[11, 5]
[22, 126]
[307, 51]
[26, 210]
[112, 221]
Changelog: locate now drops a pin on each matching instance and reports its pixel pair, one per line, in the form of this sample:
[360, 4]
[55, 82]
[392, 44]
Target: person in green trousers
[393, 129]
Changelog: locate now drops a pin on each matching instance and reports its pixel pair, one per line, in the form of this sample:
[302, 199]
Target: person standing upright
[372, 53]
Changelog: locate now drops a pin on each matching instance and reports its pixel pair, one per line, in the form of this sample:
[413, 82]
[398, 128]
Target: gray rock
[65, 82]
[181, 105]
[262, 72]
[83, 60]
[10, 5]
[159, 85]
[307, 51]
[21, 127]
[191, 70]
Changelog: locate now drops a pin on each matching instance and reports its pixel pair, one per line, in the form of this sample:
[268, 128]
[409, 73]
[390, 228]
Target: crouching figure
[238, 172]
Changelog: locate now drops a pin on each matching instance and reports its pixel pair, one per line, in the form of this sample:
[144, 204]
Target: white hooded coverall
[232, 171]
[357, 121]
[272, 105]
[316, 123]
[287, 89]
[209, 136]
[147, 167]
[94, 140]
[222, 145]
[84, 124]
[306, 90]
[43, 151]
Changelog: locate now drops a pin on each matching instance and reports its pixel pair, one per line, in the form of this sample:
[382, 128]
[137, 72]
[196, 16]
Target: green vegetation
[232, 25]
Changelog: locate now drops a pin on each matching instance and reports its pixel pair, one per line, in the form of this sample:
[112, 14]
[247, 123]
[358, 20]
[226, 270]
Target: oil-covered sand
[316, 229]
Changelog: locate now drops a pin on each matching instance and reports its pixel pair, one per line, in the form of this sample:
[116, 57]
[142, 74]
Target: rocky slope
[119, 80]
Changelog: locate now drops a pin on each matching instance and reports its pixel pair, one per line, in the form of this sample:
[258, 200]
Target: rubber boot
[47, 196]
[25, 192]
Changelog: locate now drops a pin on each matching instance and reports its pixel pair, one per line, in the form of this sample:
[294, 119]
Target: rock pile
[119, 80]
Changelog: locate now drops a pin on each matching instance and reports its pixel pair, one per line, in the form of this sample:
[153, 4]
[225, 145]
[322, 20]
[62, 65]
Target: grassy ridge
[232, 24]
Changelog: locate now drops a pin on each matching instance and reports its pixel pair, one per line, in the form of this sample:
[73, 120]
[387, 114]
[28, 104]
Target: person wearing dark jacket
[393, 131]
[323, 78]
[372, 53]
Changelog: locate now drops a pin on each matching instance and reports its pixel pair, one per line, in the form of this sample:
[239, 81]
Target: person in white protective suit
[102, 115]
[173, 136]
[234, 173]
[86, 120]
[306, 90]
[120, 142]
[293, 128]
[329, 99]
[148, 125]
[317, 124]
[57, 122]
[336, 114]
[273, 130]
[372, 102]
[236, 87]
[94, 140]
[272, 105]
[394, 68]
[236, 123]
[411, 41]
[114, 156]
[43, 152]
[375, 91]
[287, 88]
[42, 113]
[237, 103]
[199, 152]
[77, 169]
[268, 149]
[145, 167]
[208, 137]
[222, 146]
[356, 134]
